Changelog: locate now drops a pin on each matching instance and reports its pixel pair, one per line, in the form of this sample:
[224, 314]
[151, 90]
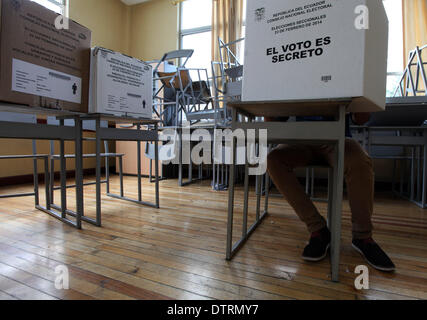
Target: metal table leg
[246, 232]
[79, 172]
[121, 196]
[246, 201]
[229, 250]
[156, 159]
[138, 127]
[180, 145]
[63, 176]
[52, 172]
[46, 182]
[36, 176]
[337, 196]
[267, 191]
[98, 173]
[107, 167]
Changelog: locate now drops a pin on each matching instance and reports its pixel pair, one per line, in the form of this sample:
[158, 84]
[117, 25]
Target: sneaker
[318, 246]
[373, 254]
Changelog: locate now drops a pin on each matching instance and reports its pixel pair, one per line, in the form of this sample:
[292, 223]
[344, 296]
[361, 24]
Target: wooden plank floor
[177, 252]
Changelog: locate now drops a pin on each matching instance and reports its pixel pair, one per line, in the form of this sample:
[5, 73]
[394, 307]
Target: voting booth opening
[316, 50]
[212, 150]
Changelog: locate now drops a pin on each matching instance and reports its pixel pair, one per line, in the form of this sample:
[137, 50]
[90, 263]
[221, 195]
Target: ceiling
[132, 2]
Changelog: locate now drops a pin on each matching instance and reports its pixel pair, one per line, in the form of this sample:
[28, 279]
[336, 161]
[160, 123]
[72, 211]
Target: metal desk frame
[113, 134]
[34, 157]
[418, 146]
[190, 180]
[324, 132]
[12, 130]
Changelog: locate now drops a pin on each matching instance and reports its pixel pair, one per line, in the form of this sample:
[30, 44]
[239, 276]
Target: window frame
[393, 73]
[191, 31]
[62, 4]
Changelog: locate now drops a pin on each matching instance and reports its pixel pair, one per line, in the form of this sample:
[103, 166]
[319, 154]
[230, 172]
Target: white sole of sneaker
[371, 264]
[317, 259]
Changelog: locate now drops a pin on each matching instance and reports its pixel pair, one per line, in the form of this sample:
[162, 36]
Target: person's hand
[360, 118]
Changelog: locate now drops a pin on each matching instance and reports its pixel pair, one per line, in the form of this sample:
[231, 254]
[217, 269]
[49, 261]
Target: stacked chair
[227, 74]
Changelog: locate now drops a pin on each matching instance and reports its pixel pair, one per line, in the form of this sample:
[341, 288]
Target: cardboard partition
[316, 49]
[120, 85]
[40, 65]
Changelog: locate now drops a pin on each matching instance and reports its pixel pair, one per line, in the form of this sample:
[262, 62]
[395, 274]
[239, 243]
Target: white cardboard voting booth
[120, 85]
[308, 49]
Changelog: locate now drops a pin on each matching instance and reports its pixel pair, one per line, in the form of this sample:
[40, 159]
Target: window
[58, 6]
[202, 44]
[395, 44]
[196, 32]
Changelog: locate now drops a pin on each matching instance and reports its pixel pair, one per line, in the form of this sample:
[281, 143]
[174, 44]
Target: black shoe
[318, 246]
[373, 254]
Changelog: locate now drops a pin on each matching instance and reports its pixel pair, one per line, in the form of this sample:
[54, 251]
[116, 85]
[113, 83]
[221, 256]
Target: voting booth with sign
[40, 65]
[328, 49]
[120, 85]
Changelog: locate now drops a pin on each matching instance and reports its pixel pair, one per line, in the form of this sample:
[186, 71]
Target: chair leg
[46, 181]
[180, 167]
[36, 176]
[229, 247]
[151, 171]
[267, 191]
[107, 167]
[122, 192]
[98, 175]
[258, 197]
[63, 179]
[52, 172]
[246, 202]
[138, 159]
[156, 170]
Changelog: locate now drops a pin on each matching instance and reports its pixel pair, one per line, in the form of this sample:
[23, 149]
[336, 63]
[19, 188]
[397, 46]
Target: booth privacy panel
[299, 50]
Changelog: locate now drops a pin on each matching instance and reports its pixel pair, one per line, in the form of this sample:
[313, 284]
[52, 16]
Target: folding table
[315, 132]
[33, 131]
[114, 134]
[405, 117]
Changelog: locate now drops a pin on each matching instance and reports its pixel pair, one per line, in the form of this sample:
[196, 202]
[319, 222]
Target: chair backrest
[227, 74]
[184, 54]
[175, 80]
[235, 72]
[201, 88]
[178, 54]
[227, 58]
[414, 79]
